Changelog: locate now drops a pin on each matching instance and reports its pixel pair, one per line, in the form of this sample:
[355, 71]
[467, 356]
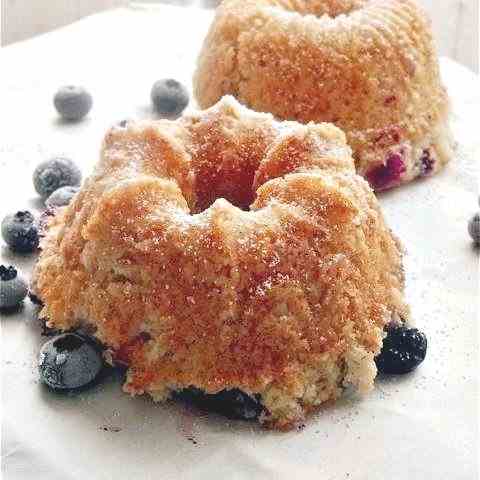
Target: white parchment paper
[422, 426]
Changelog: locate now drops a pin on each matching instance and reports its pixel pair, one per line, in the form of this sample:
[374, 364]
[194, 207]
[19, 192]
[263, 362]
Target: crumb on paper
[110, 428]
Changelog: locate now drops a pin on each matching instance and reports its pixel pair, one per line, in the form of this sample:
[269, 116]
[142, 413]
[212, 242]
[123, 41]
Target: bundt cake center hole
[232, 184]
[206, 203]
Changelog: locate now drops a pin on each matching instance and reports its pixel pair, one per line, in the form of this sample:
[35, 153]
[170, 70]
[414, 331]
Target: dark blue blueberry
[20, 232]
[72, 103]
[34, 299]
[7, 273]
[404, 349]
[61, 197]
[55, 173]
[69, 361]
[13, 288]
[474, 228]
[427, 163]
[169, 97]
[233, 403]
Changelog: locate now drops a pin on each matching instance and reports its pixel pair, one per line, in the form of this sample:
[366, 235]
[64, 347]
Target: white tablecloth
[417, 427]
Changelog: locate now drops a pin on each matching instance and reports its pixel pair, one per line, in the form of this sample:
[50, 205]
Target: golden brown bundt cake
[368, 66]
[226, 251]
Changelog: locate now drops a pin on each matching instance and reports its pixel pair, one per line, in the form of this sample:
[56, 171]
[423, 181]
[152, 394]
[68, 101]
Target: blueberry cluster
[169, 98]
[57, 180]
[72, 361]
[69, 361]
[56, 173]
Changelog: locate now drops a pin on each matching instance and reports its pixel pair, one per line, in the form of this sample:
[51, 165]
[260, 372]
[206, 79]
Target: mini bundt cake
[226, 250]
[368, 66]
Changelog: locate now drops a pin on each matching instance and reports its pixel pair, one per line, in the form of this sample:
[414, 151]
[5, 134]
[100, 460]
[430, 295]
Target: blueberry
[474, 228]
[169, 97]
[404, 349]
[72, 102]
[233, 403]
[61, 197]
[69, 361]
[34, 299]
[13, 288]
[237, 404]
[387, 175]
[20, 232]
[55, 173]
[427, 163]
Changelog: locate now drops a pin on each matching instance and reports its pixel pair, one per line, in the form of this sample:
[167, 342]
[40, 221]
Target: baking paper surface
[417, 427]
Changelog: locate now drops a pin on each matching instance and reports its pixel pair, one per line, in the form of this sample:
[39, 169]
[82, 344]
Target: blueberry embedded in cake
[233, 404]
[388, 175]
